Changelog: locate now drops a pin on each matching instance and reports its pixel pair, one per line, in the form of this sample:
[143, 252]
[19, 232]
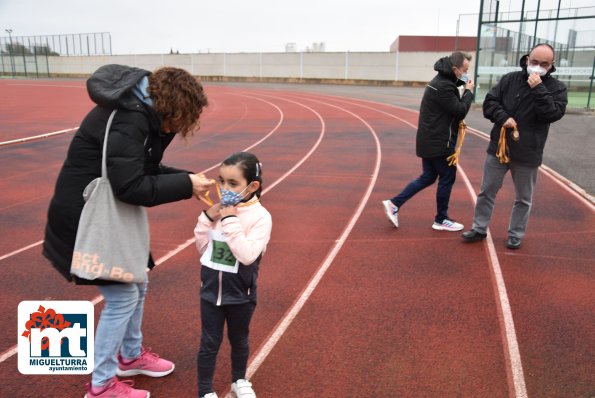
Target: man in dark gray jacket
[443, 106]
[523, 103]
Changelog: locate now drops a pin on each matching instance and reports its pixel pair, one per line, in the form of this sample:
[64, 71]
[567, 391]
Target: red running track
[349, 306]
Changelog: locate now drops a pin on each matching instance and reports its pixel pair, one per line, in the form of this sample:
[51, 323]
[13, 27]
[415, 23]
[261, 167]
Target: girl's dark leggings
[213, 319]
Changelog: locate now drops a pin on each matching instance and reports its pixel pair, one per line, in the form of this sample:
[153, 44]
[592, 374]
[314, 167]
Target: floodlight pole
[592, 77]
[9, 31]
[478, 49]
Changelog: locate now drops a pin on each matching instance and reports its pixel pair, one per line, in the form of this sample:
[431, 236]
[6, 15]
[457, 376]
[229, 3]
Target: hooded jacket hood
[111, 86]
[444, 67]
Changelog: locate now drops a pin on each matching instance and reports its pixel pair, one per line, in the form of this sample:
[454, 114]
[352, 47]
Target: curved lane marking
[37, 137]
[281, 119]
[265, 349]
[97, 299]
[570, 186]
[556, 177]
[514, 366]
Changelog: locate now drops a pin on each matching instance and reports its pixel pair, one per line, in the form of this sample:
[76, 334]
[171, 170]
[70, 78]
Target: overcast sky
[156, 26]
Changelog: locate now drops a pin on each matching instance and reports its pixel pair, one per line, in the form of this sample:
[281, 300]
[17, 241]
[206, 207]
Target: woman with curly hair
[151, 108]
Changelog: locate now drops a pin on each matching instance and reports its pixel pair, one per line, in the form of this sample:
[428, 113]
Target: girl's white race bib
[218, 255]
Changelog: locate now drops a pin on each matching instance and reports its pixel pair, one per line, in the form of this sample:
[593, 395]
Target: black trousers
[213, 319]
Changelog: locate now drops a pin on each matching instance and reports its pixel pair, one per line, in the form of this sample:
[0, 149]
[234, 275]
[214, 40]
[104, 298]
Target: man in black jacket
[524, 103]
[445, 103]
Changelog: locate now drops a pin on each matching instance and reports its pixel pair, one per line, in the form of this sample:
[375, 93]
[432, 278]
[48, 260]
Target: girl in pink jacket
[231, 237]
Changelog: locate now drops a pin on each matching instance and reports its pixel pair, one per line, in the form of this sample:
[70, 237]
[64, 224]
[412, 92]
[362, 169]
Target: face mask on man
[464, 76]
[536, 69]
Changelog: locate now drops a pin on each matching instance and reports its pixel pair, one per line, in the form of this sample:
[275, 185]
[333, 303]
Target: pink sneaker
[148, 364]
[117, 389]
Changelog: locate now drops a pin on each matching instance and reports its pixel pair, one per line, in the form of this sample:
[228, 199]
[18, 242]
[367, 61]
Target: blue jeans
[432, 169]
[119, 328]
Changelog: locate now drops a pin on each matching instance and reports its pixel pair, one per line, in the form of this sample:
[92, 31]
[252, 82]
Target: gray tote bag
[112, 241]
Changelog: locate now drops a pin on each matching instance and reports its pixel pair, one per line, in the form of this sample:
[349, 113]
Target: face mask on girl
[230, 198]
[536, 69]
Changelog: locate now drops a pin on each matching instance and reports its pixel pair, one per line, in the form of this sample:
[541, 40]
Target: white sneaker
[448, 225]
[210, 395]
[391, 212]
[243, 389]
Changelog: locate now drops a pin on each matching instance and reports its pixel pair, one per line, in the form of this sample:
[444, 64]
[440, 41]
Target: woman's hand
[200, 184]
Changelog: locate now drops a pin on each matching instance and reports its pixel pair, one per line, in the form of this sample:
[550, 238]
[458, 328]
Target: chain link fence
[28, 55]
[508, 29]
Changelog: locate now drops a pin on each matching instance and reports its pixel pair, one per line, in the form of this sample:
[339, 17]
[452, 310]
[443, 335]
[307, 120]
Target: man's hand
[510, 123]
[469, 85]
[534, 80]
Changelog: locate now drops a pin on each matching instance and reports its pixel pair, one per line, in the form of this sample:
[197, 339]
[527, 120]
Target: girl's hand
[213, 212]
[225, 211]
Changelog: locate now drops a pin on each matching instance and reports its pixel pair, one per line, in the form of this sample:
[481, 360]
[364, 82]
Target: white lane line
[568, 185]
[512, 353]
[290, 315]
[8, 353]
[514, 367]
[281, 119]
[22, 249]
[47, 85]
[96, 300]
[37, 137]
[556, 177]
[273, 130]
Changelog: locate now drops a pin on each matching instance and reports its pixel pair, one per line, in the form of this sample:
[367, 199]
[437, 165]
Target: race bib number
[218, 255]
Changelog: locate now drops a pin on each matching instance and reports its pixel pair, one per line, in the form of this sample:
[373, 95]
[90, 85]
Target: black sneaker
[513, 242]
[473, 236]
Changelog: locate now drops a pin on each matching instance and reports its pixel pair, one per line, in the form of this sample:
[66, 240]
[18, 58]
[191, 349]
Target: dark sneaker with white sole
[513, 242]
[473, 236]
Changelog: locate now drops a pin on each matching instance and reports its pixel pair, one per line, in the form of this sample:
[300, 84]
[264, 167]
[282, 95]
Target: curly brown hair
[178, 98]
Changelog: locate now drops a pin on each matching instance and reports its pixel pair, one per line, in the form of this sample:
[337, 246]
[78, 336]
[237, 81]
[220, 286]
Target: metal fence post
[346, 64]
[10, 52]
[24, 59]
[35, 56]
[591, 84]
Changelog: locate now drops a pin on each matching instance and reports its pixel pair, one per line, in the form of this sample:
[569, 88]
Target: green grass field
[579, 99]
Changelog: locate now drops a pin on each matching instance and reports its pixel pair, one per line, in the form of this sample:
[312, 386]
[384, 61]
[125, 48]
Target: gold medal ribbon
[453, 159]
[503, 152]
